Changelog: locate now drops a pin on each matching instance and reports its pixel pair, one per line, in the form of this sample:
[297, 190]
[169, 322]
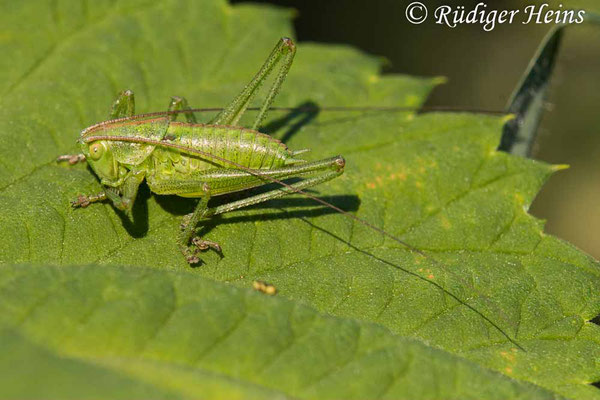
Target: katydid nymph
[195, 160]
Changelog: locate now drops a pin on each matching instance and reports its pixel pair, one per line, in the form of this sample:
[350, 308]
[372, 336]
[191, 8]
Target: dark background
[482, 69]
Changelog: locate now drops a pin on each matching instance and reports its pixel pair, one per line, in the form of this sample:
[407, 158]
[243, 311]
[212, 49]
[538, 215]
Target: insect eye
[96, 151]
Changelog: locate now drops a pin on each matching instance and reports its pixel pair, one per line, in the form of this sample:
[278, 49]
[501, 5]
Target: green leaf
[495, 303]
[180, 333]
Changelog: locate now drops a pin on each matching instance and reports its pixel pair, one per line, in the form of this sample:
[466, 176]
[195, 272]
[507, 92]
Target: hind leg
[325, 170]
[284, 52]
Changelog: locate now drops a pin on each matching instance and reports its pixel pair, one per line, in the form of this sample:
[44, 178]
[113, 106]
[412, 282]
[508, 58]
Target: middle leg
[180, 105]
[188, 228]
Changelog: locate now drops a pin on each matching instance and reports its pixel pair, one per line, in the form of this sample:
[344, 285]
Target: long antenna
[313, 109]
[317, 108]
[361, 221]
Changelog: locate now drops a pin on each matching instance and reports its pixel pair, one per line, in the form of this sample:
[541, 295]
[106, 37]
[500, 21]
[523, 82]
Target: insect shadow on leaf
[301, 208]
[293, 121]
[424, 279]
[138, 223]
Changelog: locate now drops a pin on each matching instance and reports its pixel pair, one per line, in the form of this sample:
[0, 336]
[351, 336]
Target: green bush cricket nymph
[205, 160]
[197, 160]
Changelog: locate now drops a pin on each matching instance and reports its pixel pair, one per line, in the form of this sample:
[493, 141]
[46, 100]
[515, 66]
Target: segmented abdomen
[246, 147]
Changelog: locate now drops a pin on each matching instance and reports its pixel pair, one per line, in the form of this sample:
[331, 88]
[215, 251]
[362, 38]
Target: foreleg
[71, 158]
[122, 200]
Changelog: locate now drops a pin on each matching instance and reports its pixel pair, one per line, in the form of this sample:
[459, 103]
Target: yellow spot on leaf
[508, 356]
[446, 224]
[519, 198]
[398, 175]
[428, 272]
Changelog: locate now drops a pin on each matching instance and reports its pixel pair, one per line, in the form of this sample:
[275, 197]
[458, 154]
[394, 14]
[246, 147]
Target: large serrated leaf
[494, 294]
